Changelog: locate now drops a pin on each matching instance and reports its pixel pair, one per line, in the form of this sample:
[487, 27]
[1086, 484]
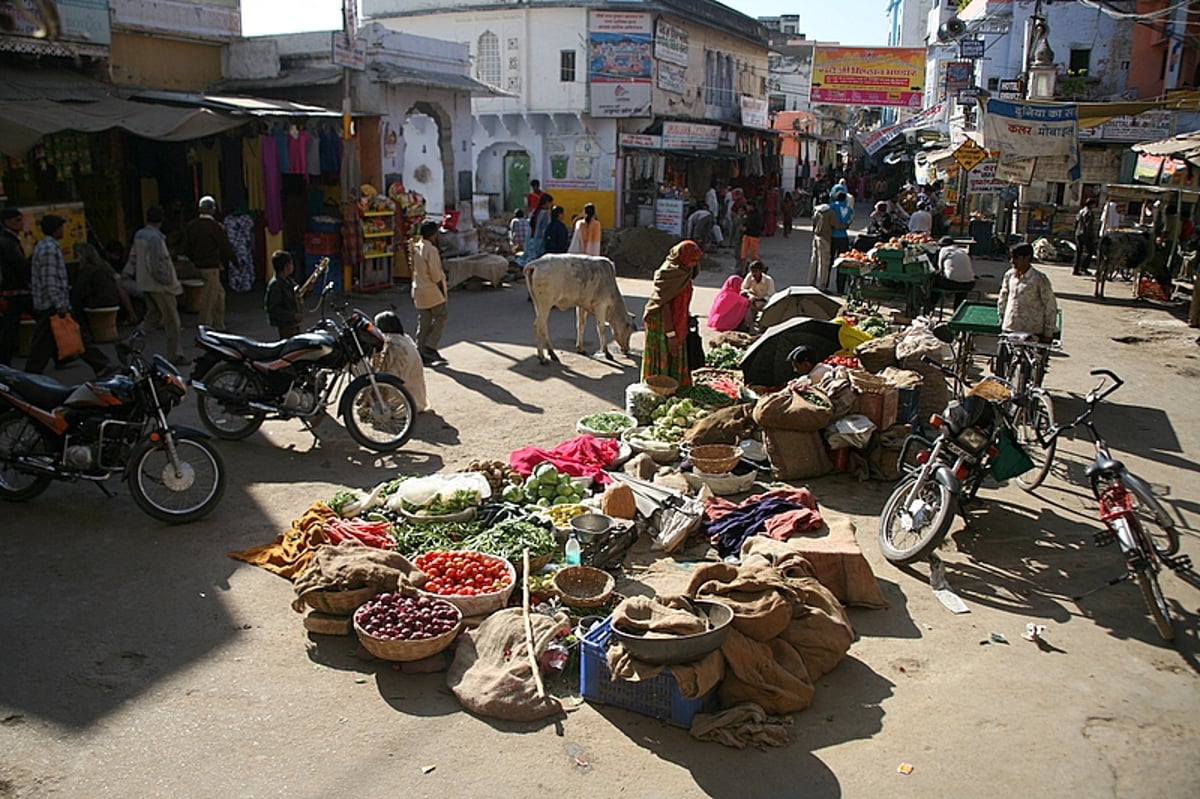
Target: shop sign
[572, 162]
[643, 141]
[672, 78]
[620, 63]
[1148, 167]
[969, 154]
[887, 76]
[1146, 126]
[668, 216]
[1033, 130]
[982, 179]
[74, 231]
[1015, 170]
[875, 140]
[85, 21]
[670, 43]
[754, 112]
[959, 75]
[350, 56]
[970, 48]
[690, 136]
[1009, 90]
[350, 18]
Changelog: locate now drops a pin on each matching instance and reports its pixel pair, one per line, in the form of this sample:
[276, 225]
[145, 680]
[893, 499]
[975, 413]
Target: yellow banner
[879, 76]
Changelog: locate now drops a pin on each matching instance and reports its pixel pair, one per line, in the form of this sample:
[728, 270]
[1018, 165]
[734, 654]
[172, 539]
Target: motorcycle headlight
[973, 439]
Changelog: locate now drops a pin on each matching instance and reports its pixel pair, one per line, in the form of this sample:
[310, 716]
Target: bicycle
[1022, 363]
[1133, 517]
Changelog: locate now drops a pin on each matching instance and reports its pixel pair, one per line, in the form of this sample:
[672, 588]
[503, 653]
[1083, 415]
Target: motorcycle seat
[44, 392]
[1103, 465]
[257, 350]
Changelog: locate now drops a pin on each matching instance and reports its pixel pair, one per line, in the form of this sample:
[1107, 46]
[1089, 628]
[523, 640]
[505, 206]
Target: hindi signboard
[668, 216]
[670, 43]
[874, 141]
[887, 76]
[672, 78]
[620, 65]
[690, 136]
[969, 154]
[643, 141]
[982, 179]
[351, 55]
[754, 112]
[970, 48]
[1030, 129]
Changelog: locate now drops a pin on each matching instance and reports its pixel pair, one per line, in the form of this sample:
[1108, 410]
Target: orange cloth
[289, 554]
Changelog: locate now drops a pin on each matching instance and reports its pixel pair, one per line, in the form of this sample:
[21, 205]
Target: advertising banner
[1147, 168]
[754, 113]
[1029, 129]
[1146, 126]
[572, 162]
[619, 63]
[671, 78]
[670, 43]
[690, 136]
[668, 216]
[982, 179]
[1015, 170]
[874, 76]
[875, 140]
[959, 75]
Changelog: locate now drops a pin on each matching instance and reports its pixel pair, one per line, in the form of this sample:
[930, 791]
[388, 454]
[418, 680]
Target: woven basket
[715, 458]
[535, 564]
[662, 385]
[386, 649]
[339, 603]
[481, 604]
[583, 586]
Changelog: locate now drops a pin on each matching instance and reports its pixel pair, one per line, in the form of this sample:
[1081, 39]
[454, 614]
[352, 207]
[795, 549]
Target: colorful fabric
[297, 151]
[272, 184]
[240, 229]
[209, 158]
[48, 276]
[728, 309]
[352, 235]
[586, 240]
[252, 172]
[657, 358]
[583, 456]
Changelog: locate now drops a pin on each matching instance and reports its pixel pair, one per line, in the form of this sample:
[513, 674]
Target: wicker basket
[339, 603]
[583, 586]
[387, 649]
[535, 564]
[481, 604]
[715, 458]
[662, 385]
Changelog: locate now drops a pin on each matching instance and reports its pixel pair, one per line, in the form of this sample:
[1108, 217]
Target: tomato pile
[394, 617]
[463, 573]
[848, 361]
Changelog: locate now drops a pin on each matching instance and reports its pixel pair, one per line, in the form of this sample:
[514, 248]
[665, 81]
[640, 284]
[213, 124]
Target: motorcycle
[101, 428]
[241, 382]
[945, 473]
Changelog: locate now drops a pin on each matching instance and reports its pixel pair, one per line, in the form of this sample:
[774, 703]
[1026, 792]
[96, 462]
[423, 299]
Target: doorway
[516, 179]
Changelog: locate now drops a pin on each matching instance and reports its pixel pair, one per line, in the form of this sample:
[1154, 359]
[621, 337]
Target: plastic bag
[421, 491]
[67, 337]
[675, 524]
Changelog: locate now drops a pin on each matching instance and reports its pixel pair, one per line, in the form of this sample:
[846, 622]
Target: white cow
[588, 284]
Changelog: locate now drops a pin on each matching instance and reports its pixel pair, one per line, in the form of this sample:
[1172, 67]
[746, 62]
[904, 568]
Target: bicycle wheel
[1156, 522]
[1160, 614]
[1034, 419]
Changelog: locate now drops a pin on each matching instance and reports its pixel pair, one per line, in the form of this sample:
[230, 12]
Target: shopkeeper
[808, 367]
[955, 275]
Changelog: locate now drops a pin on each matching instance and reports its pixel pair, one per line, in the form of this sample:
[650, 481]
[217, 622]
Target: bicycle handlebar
[1093, 397]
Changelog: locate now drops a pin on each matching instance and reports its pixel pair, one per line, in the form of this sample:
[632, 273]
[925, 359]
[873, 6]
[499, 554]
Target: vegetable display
[510, 539]
[874, 325]
[415, 538]
[394, 617]
[440, 495]
[725, 356]
[706, 395]
[672, 420]
[561, 515]
[498, 473]
[814, 398]
[849, 361]
[377, 534]
[609, 422]
[545, 487]
[463, 573]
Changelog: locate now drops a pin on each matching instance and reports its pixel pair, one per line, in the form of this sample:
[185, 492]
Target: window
[566, 66]
[487, 67]
[993, 85]
[1080, 60]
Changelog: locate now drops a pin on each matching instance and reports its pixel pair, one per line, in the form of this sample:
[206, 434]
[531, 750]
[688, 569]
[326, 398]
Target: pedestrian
[535, 246]
[752, 230]
[787, 212]
[282, 300]
[518, 231]
[823, 220]
[1026, 304]
[586, 239]
[15, 298]
[52, 296]
[429, 295]
[666, 314]
[151, 268]
[95, 286]
[207, 246]
[114, 254]
[534, 198]
[1085, 236]
[699, 227]
[839, 238]
[558, 237]
[955, 275]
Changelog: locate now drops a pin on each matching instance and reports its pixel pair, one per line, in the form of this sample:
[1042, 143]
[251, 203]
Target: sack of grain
[796, 455]
[803, 410]
[877, 354]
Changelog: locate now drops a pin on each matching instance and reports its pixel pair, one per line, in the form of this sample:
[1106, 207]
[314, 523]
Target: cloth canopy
[1185, 146]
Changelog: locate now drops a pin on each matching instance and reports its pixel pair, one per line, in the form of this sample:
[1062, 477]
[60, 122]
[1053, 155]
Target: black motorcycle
[242, 382]
[101, 428]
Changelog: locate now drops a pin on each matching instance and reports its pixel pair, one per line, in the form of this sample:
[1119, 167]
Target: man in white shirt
[955, 274]
[758, 287]
[921, 220]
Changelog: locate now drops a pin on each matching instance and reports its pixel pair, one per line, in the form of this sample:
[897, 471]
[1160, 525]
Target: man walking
[1026, 305]
[822, 256]
[205, 243]
[52, 296]
[839, 241]
[150, 265]
[429, 295]
[1085, 236]
[14, 283]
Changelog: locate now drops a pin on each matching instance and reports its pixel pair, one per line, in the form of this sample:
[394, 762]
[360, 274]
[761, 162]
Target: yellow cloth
[292, 550]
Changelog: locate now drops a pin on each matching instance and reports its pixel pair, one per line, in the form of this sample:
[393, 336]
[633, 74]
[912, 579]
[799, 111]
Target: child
[283, 295]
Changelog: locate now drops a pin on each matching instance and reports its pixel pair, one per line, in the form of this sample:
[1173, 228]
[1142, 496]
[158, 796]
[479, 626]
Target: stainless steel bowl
[682, 648]
[590, 526]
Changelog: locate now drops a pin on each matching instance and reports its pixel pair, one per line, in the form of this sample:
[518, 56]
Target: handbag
[67, 337]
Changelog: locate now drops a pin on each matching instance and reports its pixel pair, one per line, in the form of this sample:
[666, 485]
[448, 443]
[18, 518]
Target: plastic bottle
[573, 551]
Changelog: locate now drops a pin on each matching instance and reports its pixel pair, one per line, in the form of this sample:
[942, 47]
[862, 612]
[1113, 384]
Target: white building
[909, 21]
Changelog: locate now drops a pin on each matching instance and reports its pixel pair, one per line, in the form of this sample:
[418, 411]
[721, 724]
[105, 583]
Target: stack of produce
[546, 486]
[498, 473]
[725, 356]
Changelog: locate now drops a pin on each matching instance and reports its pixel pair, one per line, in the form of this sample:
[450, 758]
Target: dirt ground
[141, 661]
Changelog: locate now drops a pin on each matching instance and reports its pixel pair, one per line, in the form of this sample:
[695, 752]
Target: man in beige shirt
[1026, 305]
[429, 295]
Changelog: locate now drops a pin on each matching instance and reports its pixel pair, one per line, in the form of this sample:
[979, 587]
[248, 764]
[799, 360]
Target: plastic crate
[658, 698]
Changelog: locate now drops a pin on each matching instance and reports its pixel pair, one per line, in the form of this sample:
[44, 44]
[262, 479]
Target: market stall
[898, 269]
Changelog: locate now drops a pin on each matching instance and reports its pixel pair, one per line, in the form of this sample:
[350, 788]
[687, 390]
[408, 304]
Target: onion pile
[394, 617]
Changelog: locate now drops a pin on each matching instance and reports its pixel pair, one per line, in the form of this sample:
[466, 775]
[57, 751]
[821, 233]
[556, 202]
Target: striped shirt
[48, 276]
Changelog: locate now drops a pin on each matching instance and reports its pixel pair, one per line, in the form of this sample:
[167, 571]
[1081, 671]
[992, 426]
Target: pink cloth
[583, 456]
[781, 526]
[728, 309]
[297, 147]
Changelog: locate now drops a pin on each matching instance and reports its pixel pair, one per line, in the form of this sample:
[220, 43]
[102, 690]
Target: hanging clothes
[240, 230]
[252, 172]
[297, 151]
[331, 150]
[272, 185]
[209, 157]
[234, 197]
[281, 148]
[312, 153]
[351, 172]
[352, 235]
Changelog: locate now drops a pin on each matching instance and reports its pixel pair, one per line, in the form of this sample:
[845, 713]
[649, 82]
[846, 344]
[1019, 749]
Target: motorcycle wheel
[221, 421]
[20, 436]
[899, 545]
[1034, 419]
[382, 423]
[177, 497]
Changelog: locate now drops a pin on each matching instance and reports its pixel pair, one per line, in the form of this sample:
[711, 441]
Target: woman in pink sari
[728, 311]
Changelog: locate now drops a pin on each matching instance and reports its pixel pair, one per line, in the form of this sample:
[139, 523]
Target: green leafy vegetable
[341, 499]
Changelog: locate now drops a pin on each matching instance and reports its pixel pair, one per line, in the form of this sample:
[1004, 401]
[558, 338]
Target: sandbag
[841, 393]
[795, 455]
[727, 425]
[802, 409]
[878, 354]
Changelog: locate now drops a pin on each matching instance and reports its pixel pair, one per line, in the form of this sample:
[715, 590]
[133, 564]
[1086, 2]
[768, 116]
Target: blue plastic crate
[658, 698]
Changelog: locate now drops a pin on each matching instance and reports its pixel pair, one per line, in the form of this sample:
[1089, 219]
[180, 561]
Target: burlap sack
[842, 394]
[657, 617]
[772, 674]
[795, 455]
[878, 354]
[761, 600]
[353, 566]
[935, 391]
[727, 425]
[794, 410]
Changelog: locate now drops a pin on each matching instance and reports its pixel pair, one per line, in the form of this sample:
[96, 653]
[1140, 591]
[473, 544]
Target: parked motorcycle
[101, 428]
[241, 382]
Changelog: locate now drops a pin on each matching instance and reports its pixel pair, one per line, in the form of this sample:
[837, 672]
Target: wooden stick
[537, 672]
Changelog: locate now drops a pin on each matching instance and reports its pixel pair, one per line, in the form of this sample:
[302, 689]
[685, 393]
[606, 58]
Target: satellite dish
[951, 29]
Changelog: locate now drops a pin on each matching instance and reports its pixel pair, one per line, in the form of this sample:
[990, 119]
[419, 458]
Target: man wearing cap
[52, 295]
[14, 283]
[207, 246]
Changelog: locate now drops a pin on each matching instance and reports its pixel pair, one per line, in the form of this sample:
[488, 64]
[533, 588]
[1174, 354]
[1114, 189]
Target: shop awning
[288, 79]
[383, 72]
[23, 124]
[234, 104]
[1185, 146]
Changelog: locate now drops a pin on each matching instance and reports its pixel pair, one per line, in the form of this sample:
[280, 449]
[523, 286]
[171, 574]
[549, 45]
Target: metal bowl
[681, 648]
[590, 526]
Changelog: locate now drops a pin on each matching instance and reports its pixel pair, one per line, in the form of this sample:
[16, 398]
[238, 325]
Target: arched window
[487, 64]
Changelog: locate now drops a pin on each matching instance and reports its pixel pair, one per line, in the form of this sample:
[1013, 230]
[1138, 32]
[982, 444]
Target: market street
[142, 661]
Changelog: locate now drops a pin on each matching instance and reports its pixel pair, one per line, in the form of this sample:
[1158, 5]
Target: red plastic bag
[66, 336]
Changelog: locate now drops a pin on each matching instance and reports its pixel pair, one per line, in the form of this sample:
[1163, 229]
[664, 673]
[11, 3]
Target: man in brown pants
[207, 246]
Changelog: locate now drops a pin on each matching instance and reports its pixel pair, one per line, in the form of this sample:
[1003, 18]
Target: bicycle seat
[1104, 465]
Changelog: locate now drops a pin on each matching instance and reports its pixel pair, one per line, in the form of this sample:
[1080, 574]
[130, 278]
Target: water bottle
[573, 551]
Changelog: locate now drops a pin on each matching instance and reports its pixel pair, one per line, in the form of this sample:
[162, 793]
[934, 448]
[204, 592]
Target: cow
[1121, 251]
[587, 283]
